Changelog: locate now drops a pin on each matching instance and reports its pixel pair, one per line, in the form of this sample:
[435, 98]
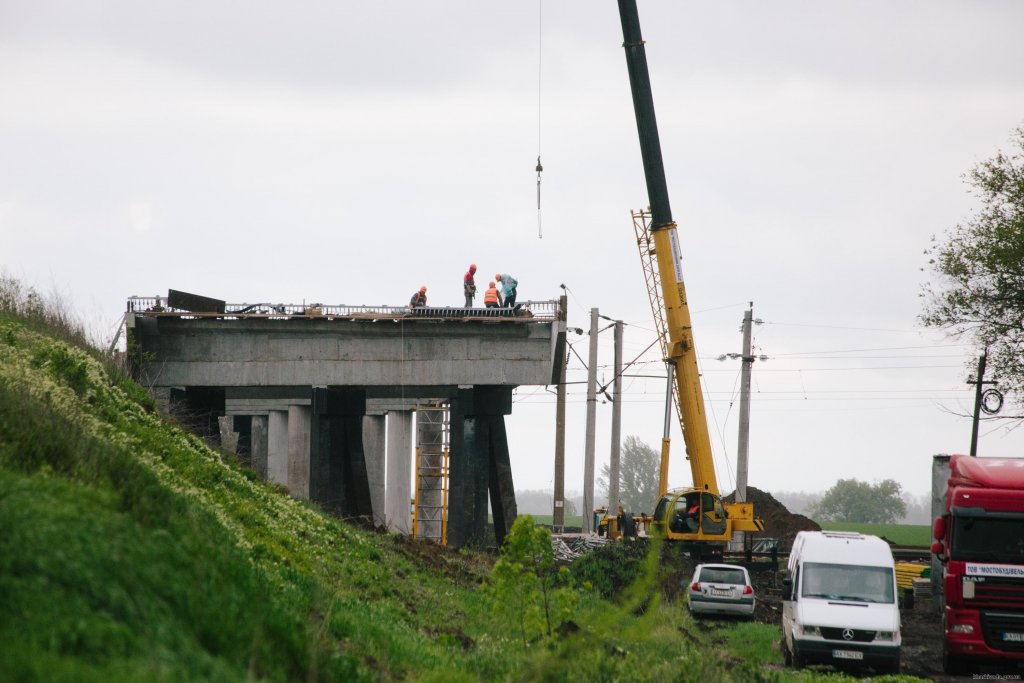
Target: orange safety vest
[491, 296]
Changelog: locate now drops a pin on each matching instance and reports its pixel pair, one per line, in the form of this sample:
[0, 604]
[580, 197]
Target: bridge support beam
[373, 450]
[479, 465]
[277, 446]
[399, 476]
[337, 464]
[298, 451]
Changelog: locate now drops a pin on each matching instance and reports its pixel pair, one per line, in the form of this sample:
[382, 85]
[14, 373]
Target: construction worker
[419, 299]
[508, 286]
[469, 285]
[492, 299]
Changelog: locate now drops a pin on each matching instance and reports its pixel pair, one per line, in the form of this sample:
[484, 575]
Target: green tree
[526, 587]
[850, 500]
[978, 290]
[638, 476]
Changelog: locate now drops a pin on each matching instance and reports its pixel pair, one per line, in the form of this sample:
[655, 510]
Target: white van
[839, 602]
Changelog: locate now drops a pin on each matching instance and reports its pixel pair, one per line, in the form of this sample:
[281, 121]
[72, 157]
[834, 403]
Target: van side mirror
[939, 528]
[938, 549]
[787, 587]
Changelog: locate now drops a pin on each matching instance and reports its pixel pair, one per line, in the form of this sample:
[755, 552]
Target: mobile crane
[695, 516]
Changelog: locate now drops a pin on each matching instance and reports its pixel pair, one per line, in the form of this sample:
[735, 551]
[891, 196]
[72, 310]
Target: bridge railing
[532, 310]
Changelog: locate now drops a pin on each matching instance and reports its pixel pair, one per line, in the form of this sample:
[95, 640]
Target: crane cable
[540, 33]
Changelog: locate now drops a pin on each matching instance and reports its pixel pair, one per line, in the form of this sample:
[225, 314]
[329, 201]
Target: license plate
[847, 654]
[723, 593]
[1012, 637]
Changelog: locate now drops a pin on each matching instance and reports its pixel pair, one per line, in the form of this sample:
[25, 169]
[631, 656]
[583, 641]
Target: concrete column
[298, 451]
[373, 451]
[399, 468]
[479, 465]
[228, 435]
[277, 447]
[258, 444]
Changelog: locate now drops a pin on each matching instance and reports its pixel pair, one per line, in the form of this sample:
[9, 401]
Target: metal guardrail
[539, 311]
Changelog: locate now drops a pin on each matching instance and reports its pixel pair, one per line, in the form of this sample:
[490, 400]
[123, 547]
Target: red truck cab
[979, 541]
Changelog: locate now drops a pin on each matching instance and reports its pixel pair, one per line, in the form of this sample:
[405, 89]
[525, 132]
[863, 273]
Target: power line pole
[979, 383]
[744, 435]
[588, 457]
[558, 514]
[613, 466]
[743, 444]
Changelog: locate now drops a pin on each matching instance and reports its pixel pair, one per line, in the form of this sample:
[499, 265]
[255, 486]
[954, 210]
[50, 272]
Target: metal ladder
[430, 504]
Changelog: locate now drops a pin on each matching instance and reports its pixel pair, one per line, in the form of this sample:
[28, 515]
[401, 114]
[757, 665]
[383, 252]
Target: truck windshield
[988, 539]
[855, 583]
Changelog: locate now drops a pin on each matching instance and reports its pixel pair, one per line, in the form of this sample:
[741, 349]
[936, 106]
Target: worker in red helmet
[492, 299]
[508, 288]
[469, 285]
[419, 299]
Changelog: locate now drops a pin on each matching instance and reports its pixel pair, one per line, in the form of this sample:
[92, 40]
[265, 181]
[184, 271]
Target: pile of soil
[779, 522]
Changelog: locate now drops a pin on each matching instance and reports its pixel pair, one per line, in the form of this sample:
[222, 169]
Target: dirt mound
[779, 522]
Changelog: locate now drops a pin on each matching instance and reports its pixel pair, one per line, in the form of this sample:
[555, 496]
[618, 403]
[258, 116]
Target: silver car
[721, 589]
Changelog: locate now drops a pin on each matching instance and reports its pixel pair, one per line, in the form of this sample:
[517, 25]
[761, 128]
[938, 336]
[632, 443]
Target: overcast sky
[342, 152]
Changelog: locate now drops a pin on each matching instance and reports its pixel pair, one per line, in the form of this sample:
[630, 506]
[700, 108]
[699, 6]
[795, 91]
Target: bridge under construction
[322, 399]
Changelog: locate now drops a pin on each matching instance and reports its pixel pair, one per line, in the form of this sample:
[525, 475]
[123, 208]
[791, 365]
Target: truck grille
[859, 636]
[1003, 630]
[1004, 592]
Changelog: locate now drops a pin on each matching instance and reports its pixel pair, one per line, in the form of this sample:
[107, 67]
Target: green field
[918, 535]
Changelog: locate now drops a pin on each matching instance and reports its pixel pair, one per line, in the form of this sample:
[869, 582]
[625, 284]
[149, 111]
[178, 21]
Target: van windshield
[847, 582]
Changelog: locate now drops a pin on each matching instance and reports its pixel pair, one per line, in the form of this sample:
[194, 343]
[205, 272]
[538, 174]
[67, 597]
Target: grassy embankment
[132, 551]
[918, 535]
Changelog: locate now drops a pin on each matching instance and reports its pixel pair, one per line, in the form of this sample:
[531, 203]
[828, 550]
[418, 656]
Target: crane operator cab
[686, 514]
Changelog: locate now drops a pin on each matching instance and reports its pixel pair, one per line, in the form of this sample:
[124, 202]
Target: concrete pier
[399, 467]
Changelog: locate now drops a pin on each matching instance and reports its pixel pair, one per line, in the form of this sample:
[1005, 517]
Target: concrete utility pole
[613, 467]
[743, 444]
[744, 435]
[978, 391]
[558, 514]
[588, 457]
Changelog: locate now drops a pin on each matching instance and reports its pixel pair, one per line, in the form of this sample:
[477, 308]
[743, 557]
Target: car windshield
[855, 583]
[988, 539]
[722, 575]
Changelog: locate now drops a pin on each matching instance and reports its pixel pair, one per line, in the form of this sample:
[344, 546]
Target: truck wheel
[893, 668]
[953, 665]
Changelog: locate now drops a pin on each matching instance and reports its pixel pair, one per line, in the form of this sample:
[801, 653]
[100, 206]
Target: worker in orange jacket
[491, 297]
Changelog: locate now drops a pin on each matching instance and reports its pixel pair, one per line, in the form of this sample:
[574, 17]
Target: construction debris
[570, 548]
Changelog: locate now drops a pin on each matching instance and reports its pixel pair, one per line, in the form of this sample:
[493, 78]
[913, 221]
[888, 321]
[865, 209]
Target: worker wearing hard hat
[469, 285]
[491, 297]
[419, 299]
[508, 287]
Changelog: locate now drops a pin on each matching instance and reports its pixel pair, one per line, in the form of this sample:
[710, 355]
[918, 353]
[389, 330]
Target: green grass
[917, 535]
[571, 521]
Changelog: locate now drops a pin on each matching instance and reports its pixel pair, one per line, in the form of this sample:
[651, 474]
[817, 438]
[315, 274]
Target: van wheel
[893, 668]
[798, 659]
[787, 656]
[952, 665]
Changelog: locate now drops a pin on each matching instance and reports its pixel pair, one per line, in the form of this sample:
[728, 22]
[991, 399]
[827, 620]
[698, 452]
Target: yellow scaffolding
[430, 501]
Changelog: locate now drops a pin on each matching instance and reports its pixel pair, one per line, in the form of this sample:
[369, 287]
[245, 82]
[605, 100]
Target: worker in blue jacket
[508, 285]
